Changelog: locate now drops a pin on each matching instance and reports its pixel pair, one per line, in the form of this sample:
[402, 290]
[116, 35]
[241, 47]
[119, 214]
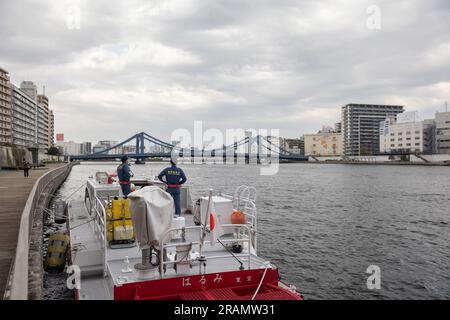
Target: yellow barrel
[55, 259]
[121, 220]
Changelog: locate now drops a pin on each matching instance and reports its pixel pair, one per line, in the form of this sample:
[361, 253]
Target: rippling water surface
[324, 224]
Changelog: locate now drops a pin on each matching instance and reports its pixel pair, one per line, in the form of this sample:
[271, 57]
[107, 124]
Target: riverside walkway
[14, 191]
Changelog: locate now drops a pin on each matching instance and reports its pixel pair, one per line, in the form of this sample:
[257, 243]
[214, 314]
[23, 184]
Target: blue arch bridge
[257, 149]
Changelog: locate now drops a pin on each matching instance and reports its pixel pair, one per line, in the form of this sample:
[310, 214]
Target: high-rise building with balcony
[24, 119]
[44, 122]
[361, 125]
[5, 108]
[32, 120]
[51, 137]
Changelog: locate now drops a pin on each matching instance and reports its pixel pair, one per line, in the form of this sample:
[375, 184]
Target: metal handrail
[164, 245]
[17, 284]
[100, 229]
[243, 194]
[249, 209]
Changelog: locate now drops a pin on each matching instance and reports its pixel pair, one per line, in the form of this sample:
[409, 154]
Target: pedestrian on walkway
[26, 168]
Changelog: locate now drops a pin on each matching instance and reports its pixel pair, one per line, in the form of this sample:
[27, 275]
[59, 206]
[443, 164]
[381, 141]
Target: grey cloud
[160, 65]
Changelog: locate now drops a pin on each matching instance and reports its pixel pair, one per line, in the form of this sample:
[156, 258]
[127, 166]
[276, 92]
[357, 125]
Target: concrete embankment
[387, 163]
[409, 159]
[21, 218]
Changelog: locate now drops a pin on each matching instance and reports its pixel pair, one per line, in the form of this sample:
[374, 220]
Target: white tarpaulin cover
[152, 210]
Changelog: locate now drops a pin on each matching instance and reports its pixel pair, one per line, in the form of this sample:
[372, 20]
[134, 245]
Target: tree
[53, 151]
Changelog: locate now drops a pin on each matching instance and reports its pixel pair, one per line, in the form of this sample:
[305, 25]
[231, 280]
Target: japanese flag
[215, 228]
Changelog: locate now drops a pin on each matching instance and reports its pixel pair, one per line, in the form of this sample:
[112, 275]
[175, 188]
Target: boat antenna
[202, 258]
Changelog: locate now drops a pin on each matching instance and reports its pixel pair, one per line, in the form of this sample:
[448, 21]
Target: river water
[323, 225]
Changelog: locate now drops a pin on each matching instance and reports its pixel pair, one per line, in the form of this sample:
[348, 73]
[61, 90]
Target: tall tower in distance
[30, 89]
[361, 127]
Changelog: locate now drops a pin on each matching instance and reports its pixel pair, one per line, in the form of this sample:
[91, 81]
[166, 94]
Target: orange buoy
[238, 217]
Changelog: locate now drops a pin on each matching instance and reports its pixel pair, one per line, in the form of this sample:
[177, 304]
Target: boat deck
[88, 254]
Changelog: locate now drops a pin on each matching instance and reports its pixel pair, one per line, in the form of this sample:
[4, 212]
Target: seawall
[21, 227]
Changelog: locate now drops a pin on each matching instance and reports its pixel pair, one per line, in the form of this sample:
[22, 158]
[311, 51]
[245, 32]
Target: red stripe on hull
[233, 285]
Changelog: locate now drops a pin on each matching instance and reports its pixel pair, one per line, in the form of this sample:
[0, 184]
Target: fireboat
[133, 248]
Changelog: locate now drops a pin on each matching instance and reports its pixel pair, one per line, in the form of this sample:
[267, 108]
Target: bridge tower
[258, 143]
[224, 154]
[140, 148]
[247, 152]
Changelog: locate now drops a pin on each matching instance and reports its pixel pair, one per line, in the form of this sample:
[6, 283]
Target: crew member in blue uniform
[174, 178]
[124, 174]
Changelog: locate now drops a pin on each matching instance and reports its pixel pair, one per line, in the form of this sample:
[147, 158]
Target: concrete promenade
[14, 191]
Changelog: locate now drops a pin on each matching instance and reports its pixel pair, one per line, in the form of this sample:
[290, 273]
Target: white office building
[69, 148]
[407, 134]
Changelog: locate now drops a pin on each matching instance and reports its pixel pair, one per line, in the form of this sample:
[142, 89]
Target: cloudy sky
[120, 67]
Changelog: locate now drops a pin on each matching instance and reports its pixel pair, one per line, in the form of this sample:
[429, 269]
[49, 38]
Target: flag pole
[208, 209]
[202, 259]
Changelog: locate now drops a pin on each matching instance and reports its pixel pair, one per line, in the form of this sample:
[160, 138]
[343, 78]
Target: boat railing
[99, 219]
[89, 196]
[238, 237]
[250, 212]
[242, 195]
[244, 200]
[105, 192]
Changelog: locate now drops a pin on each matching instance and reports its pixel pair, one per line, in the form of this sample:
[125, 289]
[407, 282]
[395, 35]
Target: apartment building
[43, 121]
[51, 129]
[24, 119]
[5, 108]
[361, 125]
